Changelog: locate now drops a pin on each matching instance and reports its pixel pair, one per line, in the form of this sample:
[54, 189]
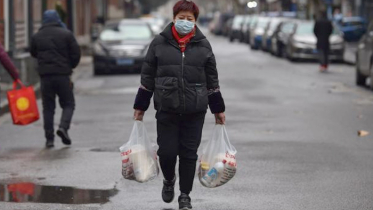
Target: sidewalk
[4, 87]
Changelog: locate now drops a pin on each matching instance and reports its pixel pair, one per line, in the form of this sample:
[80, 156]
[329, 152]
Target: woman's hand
[220, 118]
[138, 115]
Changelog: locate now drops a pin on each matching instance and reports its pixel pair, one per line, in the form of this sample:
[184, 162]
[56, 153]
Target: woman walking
[180, 70]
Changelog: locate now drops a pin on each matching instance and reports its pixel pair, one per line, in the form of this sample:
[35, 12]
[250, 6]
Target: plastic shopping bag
[22, 104]
[217, 164]
[139, 157]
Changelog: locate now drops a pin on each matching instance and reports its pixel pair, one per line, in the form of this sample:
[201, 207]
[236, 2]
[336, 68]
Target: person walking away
[8, 64]
[57, 53]
[322, 30]
[180, 69]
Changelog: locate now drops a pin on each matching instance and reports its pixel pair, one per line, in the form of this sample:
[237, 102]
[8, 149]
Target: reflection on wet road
[29, 192]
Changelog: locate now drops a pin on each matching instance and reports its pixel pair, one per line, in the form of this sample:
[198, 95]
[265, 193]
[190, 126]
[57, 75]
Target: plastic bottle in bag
[205, 166]
[127, 168]
[211, 178]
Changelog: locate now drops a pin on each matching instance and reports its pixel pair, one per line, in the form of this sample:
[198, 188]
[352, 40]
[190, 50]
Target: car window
[305, 29]
[126, 32]
[237, 21]
[262, 23]
[371, 26]
[287, 27]
[274, 23]
[353, 23]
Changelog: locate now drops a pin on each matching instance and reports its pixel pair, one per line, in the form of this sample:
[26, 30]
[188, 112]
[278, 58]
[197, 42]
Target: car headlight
[339, 45]
[299, 44]
[98, 49]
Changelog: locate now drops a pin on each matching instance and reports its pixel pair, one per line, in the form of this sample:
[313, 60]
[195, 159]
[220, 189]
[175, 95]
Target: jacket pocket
[167, 93]
[202, 98]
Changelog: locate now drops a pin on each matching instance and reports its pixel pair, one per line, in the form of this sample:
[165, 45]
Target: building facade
[20, 19]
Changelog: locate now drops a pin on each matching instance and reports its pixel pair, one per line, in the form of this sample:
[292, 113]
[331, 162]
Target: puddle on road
[29, 192]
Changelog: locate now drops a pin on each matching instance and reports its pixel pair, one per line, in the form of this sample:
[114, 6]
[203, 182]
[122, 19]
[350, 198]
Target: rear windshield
[237, 21]
[262, 23]
[305, 29]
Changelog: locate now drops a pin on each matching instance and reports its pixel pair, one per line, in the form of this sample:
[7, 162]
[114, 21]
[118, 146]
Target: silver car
[364, 58]
[302, 43]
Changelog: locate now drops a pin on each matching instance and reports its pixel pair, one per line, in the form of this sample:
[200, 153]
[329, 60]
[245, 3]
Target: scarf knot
[182, 41]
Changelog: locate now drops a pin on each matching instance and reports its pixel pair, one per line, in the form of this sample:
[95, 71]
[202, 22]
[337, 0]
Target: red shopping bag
[22, 104]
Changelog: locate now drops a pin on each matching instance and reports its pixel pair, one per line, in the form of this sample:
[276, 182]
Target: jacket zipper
[182, 78]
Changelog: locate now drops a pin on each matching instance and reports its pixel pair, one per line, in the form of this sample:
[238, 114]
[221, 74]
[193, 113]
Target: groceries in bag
[223, 170]
[218, 162]
[139, 159]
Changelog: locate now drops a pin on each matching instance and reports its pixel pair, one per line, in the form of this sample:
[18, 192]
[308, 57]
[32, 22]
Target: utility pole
[70, 15]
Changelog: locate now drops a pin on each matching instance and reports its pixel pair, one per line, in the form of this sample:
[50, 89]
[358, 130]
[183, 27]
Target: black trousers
[61, 86]
[324, 57]
[179, 135]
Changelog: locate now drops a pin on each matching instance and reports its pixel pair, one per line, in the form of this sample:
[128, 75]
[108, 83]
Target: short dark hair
[186, 5]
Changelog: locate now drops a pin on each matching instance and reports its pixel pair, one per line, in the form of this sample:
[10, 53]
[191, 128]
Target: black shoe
[168, 193]
[64, 136]
[184, 202]
[49, 144]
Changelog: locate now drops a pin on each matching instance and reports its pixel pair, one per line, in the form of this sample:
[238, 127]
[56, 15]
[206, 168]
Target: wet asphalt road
[295, 130]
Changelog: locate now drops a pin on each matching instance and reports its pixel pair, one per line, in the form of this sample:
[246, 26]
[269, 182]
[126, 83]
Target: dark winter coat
[180, 81]
[323, 29]
[55, 48]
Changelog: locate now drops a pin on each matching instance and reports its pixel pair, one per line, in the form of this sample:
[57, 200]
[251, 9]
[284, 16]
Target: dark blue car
[353, 28]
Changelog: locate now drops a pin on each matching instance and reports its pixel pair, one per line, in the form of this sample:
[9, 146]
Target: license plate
[125, 62]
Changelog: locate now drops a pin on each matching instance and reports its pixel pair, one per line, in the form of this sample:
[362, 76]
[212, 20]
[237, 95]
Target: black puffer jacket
[322, 30]
[180, 81]
[56, 50]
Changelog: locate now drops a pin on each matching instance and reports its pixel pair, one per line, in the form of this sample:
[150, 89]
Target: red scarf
[183, 41]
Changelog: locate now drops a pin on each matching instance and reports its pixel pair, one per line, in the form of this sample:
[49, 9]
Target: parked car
[244, 28]
[353, 28]
[220, 21]
[236, 28]
[157, 23]
[364, 58]
[121, 46]
[302, 43]
[281, 36]
[257, 32]
[227, 27]
[249, 26]
[269, 31]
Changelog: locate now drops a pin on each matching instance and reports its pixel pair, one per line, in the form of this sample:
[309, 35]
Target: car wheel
[278, 50]
[231, 39]
[97, 71]
[360, 79]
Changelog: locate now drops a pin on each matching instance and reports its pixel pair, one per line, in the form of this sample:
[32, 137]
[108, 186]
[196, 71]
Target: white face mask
[184, 27]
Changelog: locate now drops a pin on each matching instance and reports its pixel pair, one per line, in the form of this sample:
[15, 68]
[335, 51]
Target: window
[37, 14]
[20, 15]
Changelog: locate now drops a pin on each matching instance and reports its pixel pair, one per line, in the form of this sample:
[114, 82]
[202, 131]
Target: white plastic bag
[139, 157]
[217, 164]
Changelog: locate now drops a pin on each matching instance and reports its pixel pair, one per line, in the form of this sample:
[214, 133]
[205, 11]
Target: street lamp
[252, 4]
